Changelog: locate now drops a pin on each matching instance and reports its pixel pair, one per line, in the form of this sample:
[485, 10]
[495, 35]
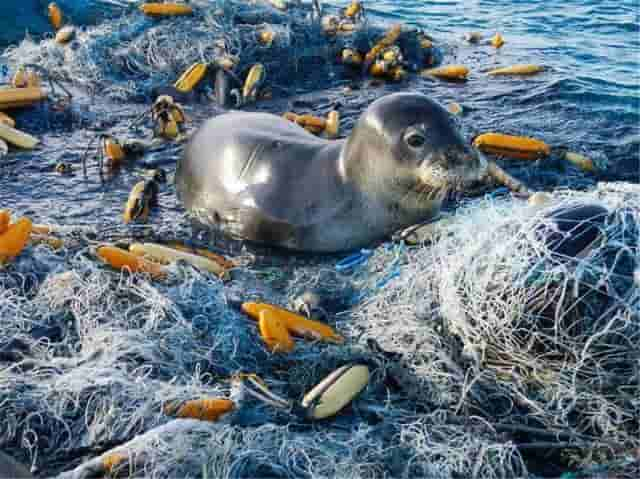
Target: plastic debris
[7, 120]
[252, 84]
[128, 344]
[581, 161]
[502, 177]
[354, 260]
[121, 259]
[308, 304]
[296, 324]
[5, 219]
[519, 147]
[386, 41]
[55, 16]
[336, 391]
[455, 108]
[521, 69]
[251, 385]
[473, 37]
[65, 34]
[448, 72]
[112, 150]
[191, 77]
[317, 125]
[168, 117]
[274, 333]
[17, 138]
[21, 97]
[354, 9]
[497, 40]
[221, 260]
[168, 9]
[14, 239]
[25, 78]
[142, 197]
[165, 254]
[266, 37]
[205, 409]
[63, 168]
[352, 57]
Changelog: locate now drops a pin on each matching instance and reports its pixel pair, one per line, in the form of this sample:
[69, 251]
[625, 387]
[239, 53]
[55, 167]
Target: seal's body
[259, 177]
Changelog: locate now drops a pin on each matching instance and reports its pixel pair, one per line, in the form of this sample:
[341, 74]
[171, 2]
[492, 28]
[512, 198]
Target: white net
[485, 347]
[125, 58]
[494, 322]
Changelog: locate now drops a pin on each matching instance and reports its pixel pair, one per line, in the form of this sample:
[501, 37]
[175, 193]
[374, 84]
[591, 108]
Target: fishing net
[493, 322]
[469, 372]
[484, 347]
[128, 56]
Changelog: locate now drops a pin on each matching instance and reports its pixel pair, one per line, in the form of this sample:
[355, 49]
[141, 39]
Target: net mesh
[470, 367]
[482, 346]
[126, 57]
[495, 323]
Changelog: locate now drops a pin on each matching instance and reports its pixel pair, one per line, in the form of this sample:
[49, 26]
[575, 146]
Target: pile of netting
[473, 367]
[90, 356]
[493, 323]
[125, 58]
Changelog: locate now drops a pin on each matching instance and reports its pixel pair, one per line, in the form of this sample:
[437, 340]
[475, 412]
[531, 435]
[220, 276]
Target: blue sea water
[588, 100]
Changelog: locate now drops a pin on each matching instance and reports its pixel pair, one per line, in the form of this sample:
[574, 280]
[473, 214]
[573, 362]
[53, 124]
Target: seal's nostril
[453, 158]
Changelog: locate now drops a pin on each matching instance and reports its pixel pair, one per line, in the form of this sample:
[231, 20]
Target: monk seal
[259, 177]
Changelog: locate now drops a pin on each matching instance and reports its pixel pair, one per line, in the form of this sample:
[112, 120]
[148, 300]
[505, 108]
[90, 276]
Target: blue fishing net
[127, 56]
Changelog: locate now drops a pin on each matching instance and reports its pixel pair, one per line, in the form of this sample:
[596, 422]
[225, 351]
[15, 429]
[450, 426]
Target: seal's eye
[415, 140]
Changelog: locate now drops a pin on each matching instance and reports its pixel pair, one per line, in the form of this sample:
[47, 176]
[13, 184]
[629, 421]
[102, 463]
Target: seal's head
[406, 149]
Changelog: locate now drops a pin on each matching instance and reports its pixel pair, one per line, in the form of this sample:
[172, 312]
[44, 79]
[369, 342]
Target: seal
[258, 177]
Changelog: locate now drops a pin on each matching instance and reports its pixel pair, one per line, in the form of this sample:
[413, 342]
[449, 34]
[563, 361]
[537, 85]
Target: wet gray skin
[261, 178]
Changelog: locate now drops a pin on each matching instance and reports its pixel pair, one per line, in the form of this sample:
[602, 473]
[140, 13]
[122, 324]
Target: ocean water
[588, 99]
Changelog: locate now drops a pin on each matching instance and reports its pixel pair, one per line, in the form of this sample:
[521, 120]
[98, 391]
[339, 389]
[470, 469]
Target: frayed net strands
[493, 323]
[223, 451]
[91, 356]
[125, 58]
[108, 351]
[470, 367]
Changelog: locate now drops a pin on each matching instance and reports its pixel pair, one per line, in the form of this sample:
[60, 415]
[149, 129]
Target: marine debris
[462, 348]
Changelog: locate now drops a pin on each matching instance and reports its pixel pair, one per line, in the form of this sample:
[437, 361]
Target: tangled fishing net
[125, 58]
[90, 356]
[485, 348]
[482, 348]
[494, 323]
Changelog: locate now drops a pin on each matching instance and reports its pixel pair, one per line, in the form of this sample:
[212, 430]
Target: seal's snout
[465, 163]
[451, 168]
